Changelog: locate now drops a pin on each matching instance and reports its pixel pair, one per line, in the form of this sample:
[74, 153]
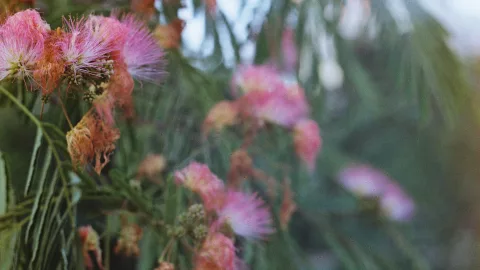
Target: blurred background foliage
[407, 106]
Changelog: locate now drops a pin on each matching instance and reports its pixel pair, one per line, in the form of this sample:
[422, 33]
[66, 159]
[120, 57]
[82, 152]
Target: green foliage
[399, 91]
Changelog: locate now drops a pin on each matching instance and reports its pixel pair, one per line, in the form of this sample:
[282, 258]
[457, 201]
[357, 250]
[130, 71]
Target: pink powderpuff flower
[110, 30]
[363, 180]
[307, 141]
[216, 253]
[396, 205]
[222, 114]
[84, 52]
[141, 52]
[22, 38]
[284, 106]
[246, 214]
[198, 178]
[27, 23]
[255, 78]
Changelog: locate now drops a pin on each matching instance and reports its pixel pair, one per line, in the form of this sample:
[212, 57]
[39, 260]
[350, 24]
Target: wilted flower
[151, 166]
[307, 141]
[241, 166]
[222, 114]
[198, 178]
[216, 253]
[50, 65]
[142, 55]
[127, 243]
[246, 214]
[256, 78]
[22, 38]
[90, 243]
[170, 36]
[363, 180]
[395, 204]
[92, 139]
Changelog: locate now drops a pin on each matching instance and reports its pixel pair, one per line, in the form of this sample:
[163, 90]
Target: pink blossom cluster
[367, 182]
[245, 214]
[261, 94]
[96, 55]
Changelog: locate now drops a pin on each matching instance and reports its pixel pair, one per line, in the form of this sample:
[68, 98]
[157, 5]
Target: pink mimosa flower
[142, 54]
[110, 30]
[396, 205]
[284, 106]
[22, 38]
[307, 141]
[84, 52]
[222, 114]
[363, 180]
[246, 214]
[255, 78]
[216, 253]
[198, 178]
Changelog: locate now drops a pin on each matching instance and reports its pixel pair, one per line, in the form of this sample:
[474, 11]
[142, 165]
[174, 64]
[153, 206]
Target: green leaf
[38, 197]
[3, 186]
[33, 160]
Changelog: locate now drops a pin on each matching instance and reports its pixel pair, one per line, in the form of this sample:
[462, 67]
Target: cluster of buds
[191, 223]
[264, 97]
[97, 56]
[371, 184]
[235, 213]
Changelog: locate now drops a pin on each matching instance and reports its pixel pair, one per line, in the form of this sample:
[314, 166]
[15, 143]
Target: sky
[460, 17]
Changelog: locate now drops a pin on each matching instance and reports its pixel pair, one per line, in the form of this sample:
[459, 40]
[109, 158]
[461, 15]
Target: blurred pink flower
[216, 253]
[222, 114]
[22, 38]
[90, 243]
[255, 78]
[307, 141]
[246, 214]
[142, 54]
[198, 178]
[283, 106]
[363, 180]
[395, 204]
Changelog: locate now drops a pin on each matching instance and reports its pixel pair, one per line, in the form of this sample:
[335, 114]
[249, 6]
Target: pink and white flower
[198, 178]
[255, 78]
[141, 52]
[363, 180]
[217, 253]
[396, 205]
[284, 106]
[307, 141]
[85, 53]
[246, 214]
[22, 38]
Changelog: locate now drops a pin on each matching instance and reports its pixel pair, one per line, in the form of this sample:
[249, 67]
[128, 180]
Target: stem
[65, 112]
[41, 110]
[167, 247]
